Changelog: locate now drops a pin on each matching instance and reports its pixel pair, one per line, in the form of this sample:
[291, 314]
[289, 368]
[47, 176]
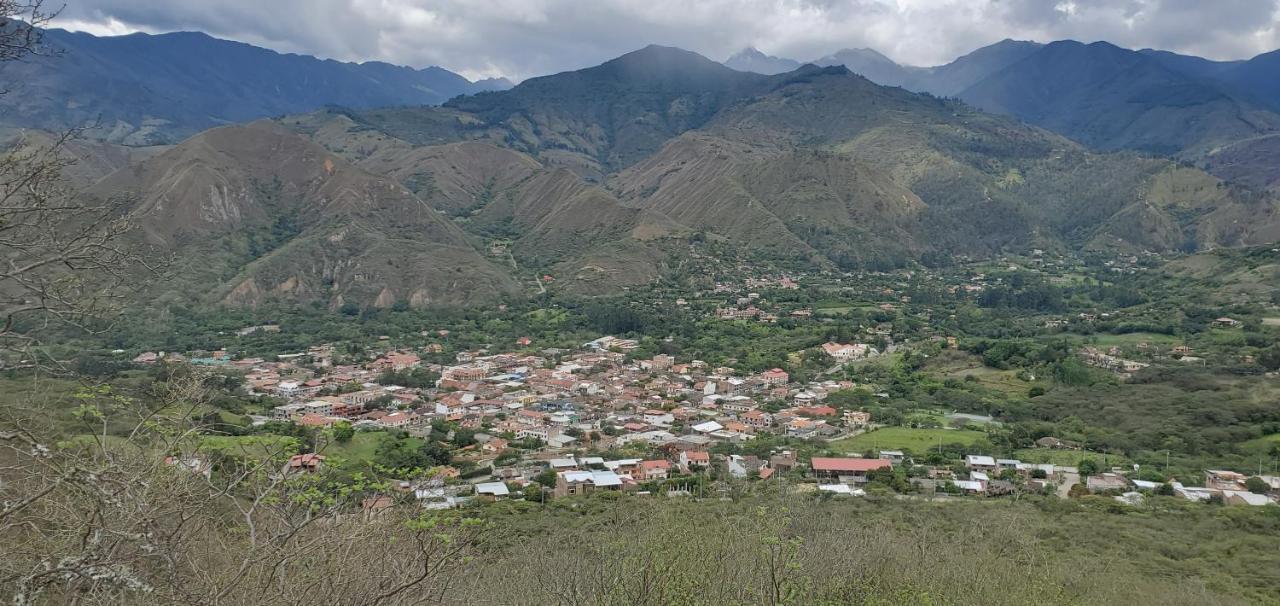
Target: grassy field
[362, 446]
[958, 365]
[1069, 458]
[905, 438]
[1132, 339]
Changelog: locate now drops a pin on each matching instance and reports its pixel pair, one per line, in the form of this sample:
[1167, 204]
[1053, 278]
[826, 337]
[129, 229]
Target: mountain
[1191, 65]
[258, 213]
[145, 89]
[656, 162]
[950, 79]
[1112, 98]
[752, 60]
[609, 116]
[817, 166]
[1259, 76]
[871, 65]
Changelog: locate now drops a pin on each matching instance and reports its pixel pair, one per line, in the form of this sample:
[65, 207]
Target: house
[569, 483]
[658, 417]
[147, 357]
[1106, 481]
[1244, 497]
[757, 419]
[857, 418]
[774, 376]
[783, 462]
[695, 459]
[1225, 322]
[492, 491]
[816, 411]
[312, 419]
[656, 469]
[708, 427]
[845, 353]
[844, 489]
[304, 463]
[398, 419]
[562, 464]
[1052, 442]
[969, 486]
[847, 469]
[979, 463]
[893, 456]
[1224, 480]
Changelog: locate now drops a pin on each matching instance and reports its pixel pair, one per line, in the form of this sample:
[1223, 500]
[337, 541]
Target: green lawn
[905, 438]
[362, 446]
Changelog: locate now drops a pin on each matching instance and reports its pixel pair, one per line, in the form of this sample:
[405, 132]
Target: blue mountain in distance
[144, 89]
[1221, 115]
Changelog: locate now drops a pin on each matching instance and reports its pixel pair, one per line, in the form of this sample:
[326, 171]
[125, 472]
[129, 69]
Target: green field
[362, 446]
[905, 438]
[958, 365]
[1069, 458]
[1132, 339]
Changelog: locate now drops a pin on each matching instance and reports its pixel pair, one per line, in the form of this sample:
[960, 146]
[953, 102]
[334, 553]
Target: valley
[657, 330]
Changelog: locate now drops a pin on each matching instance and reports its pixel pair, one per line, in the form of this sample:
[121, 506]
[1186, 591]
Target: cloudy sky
[523, 38]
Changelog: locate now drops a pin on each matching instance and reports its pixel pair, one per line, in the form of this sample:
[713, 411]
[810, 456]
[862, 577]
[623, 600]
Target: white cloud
[522, 38]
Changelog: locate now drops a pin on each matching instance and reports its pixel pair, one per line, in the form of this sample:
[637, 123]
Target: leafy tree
[1087, 467]
[343, 432]
[546, 478]
[1257, 485]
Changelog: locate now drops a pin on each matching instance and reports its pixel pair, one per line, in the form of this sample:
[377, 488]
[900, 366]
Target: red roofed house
[312, 419]
[817, 411]
[854, 469]
[307, 463]
[775, 376]
[695, 459]
[758, 419]
[656, 469]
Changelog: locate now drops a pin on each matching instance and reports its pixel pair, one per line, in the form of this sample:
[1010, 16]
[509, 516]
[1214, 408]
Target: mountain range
[1222, 115]
[660, 162]
[609, 177]
[143, 89]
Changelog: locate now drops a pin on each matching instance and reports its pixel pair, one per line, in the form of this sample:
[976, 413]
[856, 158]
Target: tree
[20, 25]
[137, 519]
[66, 259]
[546, 478]
[1087, 467]
[1257, 485]
[343, 432]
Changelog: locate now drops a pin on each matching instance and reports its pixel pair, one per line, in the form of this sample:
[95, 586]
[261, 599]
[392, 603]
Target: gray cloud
[522, 38]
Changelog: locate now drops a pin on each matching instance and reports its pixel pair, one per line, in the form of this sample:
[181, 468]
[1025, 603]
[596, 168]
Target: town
[526, 420]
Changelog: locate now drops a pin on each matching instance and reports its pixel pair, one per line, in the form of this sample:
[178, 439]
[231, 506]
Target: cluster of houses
[595, 396]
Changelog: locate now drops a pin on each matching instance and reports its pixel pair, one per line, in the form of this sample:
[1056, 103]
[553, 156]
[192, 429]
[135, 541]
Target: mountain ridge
[142, 89]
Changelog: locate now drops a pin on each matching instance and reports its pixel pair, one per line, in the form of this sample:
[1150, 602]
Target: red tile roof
[848, 465]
